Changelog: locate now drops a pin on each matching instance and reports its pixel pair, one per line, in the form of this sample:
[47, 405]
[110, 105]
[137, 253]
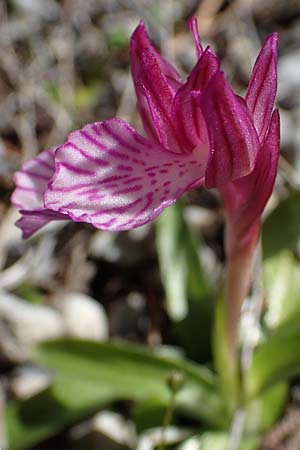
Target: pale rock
[23, 324]
[150, 439]
[83, 316]
[103, 245]
[28, 380]
[288, 74]
[115, 427]
[287, 128]
[106, 429]
[190, 444]
[48, 9]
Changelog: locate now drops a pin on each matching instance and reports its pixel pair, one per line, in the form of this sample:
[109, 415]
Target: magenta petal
[156, 83]
[245, 199]
[110, 176]
[160, 100]
[32, 221]
[262, 88]
[139, 42]
[187, 115]
[233, 139]
[193, 26]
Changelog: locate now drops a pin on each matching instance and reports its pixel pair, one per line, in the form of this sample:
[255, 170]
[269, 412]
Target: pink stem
[238, 279]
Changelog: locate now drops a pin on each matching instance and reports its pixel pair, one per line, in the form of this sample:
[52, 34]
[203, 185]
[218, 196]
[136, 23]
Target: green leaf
[263, 411]
[148, 414]
[189, 295]
[90, 374]
[282, 289]
[131, 372]
[29, 292]
[30, 421]
[217, 440]
[275, 360]
[281, 229]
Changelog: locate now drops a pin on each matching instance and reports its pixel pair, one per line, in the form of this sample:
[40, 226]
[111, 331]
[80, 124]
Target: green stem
[167, 420]
[237, 283]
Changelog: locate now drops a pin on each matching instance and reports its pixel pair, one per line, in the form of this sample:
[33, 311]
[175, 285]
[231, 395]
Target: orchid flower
[245, 199]
[107, 174]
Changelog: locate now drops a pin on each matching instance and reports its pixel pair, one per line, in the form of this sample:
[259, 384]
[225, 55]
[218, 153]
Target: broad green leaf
[89, 375]
[275, 360]
[282, 289]
[217, 440]
[131, 372]
[281, 229]
[189, 295]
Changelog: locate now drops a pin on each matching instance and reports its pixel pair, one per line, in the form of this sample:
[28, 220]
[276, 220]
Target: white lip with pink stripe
[109, 175]
[32, 181]
[31, 185]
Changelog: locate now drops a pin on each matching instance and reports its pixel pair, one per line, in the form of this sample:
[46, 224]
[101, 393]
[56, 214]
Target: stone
[83, 316]
[23, 324]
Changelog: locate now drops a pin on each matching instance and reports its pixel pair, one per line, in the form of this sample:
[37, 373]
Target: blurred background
[64, 64]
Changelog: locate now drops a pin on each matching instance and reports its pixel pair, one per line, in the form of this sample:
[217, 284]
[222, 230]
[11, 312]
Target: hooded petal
[160, 100]
[245, 199]
[233, 139]
[156, 83]
[187, 115]
[139, 42]
[110, 176]
[262, 87]
[193, 26]
[31, 184]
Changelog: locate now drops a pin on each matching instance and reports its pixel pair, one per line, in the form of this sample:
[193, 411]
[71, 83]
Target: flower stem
[240, 257]
[175, 382]
[237, 283]
[167, 420]
[238, 275]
